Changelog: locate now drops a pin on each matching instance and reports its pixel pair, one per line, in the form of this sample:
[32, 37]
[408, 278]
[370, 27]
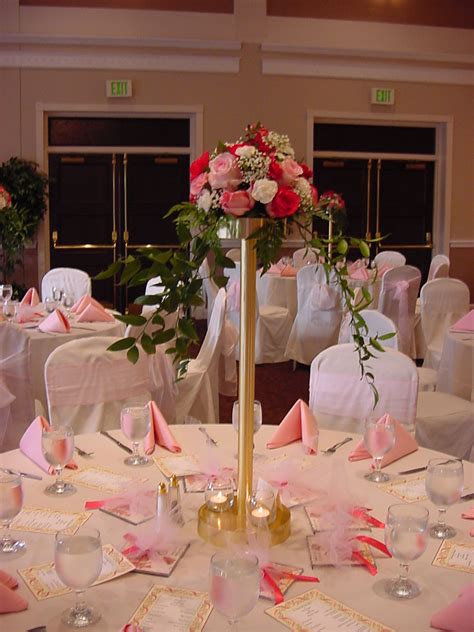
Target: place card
[281, 575]
[315, 611]
[456, 555]
[409, 489]
[178, 464]
[319, 556]
[319, 522]
[44, 582]
[102, 479]
[194, 483]
[44, 520]
[133, 512]
[173, 610]
[160, 563]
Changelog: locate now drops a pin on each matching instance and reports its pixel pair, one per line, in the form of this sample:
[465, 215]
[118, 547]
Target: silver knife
[24, 474]
[117, 442]
[415, 470]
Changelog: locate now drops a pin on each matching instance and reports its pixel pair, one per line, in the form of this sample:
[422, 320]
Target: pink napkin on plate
[289, 271]
[80, 305]
[458, 616]
[299, 423]
[31, 298]
[404, 444]
[9, 600]
[93, 314]
[276, 268]
[30, 445]
[159, 432]
[56, 322]
[26, 314]
[464, 324]
[360, 274]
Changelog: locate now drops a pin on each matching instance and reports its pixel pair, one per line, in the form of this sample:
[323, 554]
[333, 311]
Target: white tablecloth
[455, 374]
[118, 600]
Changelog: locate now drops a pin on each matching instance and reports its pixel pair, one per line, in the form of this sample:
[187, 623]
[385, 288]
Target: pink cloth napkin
[93, 314]
[159, 432]
[9, 600]
[360, 274]
[469, 515]
[276, 268]
[299, 423]
[56, 322]
[382, 269]
[31, 298]
[289, 271]
[30, 445]
[458, 616]
[464, 324]
[25, 314]
[131, 627]
[404, 444]
[80, 305]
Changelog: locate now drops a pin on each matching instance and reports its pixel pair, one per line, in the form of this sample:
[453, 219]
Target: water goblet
[68, 302]
[257, 416]
[11, 502]
[444, 486]
[58, 448]
[57, 294]
[379, 437]
[135, 424]
[406, 531]
[6, 291]
[234, 585]
[49, 304]
[9, 309]
[78, 563]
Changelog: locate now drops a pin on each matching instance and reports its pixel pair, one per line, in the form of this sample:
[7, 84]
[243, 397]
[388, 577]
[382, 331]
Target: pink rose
[224, 172]
[197, 184]
[291, 170]
[236, 203]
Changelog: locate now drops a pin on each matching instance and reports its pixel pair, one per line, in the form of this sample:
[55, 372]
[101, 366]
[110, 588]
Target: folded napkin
[382, 269]
[93, 314]
[56, 322]
[289, 271]
[159, 432]
[25, 314]
[80, 305]
[276, 268]
[459, 615]
[299, 423]
[31, 298]
[465, 324]
[469, 515]
[355, 265]
[30, 445]
[360, 274]
[9, 600]
[404, 444]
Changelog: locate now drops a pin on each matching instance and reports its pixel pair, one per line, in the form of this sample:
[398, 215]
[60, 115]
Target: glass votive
[262, 507]
[219, 494]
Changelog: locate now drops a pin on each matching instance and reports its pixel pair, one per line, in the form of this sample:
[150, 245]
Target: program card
[319, 556]
[281, 575]
[194, 483]
[133, 512]
[44, 520]
[173, 610]
[315, 611]
[178, 464]
[102, 479]
[161, 563]
[408, 489]
[456, 555]
[319, 523]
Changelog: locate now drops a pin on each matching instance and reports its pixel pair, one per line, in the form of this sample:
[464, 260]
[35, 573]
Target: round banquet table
[118, 599]
[455, 374]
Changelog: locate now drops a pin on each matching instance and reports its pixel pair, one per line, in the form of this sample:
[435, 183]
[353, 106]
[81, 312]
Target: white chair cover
[341, 400]
[441, 272]
[391, 258]
[73, 281]
[397, 300]
[317, 322]
[154, 286]
[443, 302]
[436, 262]
[15, 382]
[302, 256]
[234, 254]
[377, 325]
[87, 385]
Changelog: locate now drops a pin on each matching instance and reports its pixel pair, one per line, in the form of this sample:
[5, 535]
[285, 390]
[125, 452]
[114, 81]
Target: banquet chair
[397, 300]
[303, 256]
[6, 401]
[148, 312]
[377, 325]
[234, 254]
[391, 258]
[72, 280]
[438, 266]
[87, 385]
[318, 318]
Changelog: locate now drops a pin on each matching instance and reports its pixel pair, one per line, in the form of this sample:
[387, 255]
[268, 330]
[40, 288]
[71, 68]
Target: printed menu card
[173, 610]
[44, 520]
[456, 555]
[315, 611]
[409, 489]
[102, 479]
[178, 464]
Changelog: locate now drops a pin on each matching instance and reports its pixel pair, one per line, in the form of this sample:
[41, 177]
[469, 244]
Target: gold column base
[223, 528]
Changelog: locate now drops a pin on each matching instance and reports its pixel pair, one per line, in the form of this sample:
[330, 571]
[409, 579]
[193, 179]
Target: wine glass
[234, 584]
[379, 437]
[257, 416]
[49, 304]
[78, 563]
[57, 294]
[58, 447]
[135, 424]
[11, 502]
[444, 486]
[68, 302]
[9, 309]
[6, 292]
[406, 531]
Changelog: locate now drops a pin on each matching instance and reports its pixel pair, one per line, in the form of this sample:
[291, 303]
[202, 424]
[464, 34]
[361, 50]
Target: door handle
[56, 246]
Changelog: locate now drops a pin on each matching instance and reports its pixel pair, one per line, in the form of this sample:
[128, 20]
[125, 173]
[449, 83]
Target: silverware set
[209, 439]
[336, 446]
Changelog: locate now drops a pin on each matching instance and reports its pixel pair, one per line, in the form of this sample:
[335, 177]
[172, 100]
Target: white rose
[302, 186]
[264, 190]
[245, 152]
[205, 200]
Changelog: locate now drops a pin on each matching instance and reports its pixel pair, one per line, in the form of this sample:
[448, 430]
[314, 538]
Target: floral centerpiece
[256, 176]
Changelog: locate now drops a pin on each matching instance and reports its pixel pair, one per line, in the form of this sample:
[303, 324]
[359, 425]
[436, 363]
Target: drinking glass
[234, 585]
[49, 304]
[135, 424]
[9, 309]
[406, 537]
[57, 294]
[11, 502]
[379, 437]
[58, 448]
[68, 302]
[78, 562]
[6, 291]
[257, 416]
[444, 485]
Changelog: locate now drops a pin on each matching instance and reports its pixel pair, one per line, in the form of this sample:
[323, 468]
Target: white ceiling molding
[461, 243]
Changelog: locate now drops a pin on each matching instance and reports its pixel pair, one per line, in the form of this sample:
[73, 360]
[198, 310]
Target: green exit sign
[118, 88]
[383, 96]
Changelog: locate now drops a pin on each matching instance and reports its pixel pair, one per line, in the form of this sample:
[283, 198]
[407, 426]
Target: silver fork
[336, 446]
[209, 439]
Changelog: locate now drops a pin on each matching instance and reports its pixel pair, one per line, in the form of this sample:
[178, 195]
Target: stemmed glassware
[257, 416]
[444, 486]
[58, 448]
[49, 304]
[406, 537]
[234, 584]
[9, 309]
[6, 292]
[68, 302]
[379, 437]
[11, 502]
[135, 424]
[57, 294]
[78, 563]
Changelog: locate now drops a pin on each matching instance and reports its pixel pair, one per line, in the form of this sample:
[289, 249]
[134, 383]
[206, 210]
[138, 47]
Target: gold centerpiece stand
[230, 526]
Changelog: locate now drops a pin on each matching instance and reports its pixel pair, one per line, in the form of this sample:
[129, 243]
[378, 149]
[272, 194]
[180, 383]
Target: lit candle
[260, 513]
[218, 499]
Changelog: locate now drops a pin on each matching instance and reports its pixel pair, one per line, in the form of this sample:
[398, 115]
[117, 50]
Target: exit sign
[118, 88]
[383, 96]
